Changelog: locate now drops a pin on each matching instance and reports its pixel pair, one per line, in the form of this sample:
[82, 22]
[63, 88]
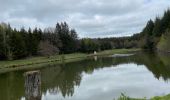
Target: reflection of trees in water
[155, 64]
[61, 79]
[11, 86]
[64, 78]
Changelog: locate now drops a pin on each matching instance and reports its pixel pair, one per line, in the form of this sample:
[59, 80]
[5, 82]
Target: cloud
[91, 18]
[27, 22]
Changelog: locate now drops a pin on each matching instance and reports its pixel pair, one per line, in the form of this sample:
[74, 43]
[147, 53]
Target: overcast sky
[91, 18]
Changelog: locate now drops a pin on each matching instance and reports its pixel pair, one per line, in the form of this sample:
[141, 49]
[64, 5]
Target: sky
[90, 18]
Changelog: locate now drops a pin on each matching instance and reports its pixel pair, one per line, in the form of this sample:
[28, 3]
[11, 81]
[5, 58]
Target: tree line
[61, 39]
[151, 35]
[154, 36]
[17, 44]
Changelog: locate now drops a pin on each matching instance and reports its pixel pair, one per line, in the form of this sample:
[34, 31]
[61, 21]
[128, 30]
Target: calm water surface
[99, 78]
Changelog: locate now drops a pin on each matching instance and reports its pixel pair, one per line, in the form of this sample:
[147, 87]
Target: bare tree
[47, 49]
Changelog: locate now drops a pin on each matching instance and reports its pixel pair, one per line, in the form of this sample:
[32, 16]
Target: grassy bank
[167, 97]
[26, 63]
[117, 51]
[39, 60]
[124, 97]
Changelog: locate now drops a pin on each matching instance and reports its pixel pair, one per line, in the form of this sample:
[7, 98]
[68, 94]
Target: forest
[61, 39]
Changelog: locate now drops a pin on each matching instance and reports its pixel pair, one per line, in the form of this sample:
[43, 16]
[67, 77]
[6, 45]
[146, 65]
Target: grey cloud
[92, 18]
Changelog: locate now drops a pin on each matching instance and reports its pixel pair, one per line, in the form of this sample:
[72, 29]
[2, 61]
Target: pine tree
[149, 28]
[30, 42]
[17, 45]
[165, 22]
[157, 30]
[148, 38]
[2, 54]
[35, 41]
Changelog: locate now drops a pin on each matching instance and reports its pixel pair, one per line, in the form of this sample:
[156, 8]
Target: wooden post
[33, 85]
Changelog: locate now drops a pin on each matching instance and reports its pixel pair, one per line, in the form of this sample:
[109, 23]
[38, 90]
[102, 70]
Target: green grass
[38, 65]
[26, 63]
[163, 44]
[118, 51]
[38, 60]
[167, 97]
[124, 97]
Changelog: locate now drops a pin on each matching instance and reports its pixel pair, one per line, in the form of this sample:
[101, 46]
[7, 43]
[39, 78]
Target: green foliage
[154, 32]
[157, 30]
[167, 97]
[163, 45]
[67, 37]
[124, 97]
[16, 44]
[5, 33]
[148, 42]
[89, 46]
[1, 44]
[149, 28]
[165, 22]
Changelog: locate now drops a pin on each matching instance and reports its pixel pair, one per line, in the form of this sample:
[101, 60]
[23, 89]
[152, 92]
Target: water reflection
[63, 80]
[95, 58]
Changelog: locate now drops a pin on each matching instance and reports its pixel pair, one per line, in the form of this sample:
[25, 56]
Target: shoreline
[37, 62]
[163, 97]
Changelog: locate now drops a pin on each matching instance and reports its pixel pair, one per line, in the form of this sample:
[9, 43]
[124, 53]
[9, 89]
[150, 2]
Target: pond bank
[31, 62]
[124, 97]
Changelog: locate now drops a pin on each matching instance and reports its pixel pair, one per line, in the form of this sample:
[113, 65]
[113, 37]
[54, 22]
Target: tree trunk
[33, 85]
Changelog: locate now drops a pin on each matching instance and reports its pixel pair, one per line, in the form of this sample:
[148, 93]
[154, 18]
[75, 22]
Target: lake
[96, 78]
